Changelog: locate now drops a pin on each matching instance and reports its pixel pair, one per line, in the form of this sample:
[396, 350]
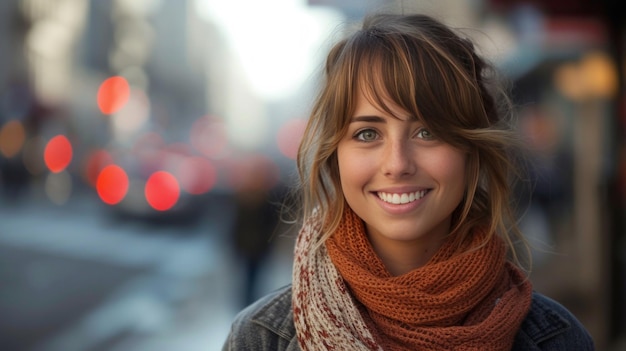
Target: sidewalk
[176, 287]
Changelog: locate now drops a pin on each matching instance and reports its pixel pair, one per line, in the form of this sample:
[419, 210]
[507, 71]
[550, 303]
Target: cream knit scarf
[344, 298]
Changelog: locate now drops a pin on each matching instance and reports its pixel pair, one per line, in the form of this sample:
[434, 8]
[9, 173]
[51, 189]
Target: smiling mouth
[404, 198]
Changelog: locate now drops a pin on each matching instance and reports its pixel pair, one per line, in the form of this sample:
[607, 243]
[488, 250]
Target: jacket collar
[277, 317]
[543, 322]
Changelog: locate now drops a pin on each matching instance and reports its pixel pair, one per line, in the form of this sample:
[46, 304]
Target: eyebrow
[371, 119]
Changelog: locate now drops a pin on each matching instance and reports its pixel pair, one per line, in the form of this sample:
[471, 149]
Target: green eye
[366, 135]
[425, 134]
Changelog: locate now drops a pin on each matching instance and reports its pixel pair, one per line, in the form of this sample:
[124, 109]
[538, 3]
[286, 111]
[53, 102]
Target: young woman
[408, 237]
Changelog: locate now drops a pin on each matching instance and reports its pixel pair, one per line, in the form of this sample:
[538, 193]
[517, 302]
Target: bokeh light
[58, 153]
[112, 184]
[113, 94]
[162, 191]
[12, 137]
[593, 76]
[131, 117]
[208, 136]
[95, 163]
[253, 172]
[197, 175]
[289, 137]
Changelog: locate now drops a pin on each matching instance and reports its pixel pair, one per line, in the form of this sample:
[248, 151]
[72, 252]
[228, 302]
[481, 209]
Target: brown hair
[433, 73]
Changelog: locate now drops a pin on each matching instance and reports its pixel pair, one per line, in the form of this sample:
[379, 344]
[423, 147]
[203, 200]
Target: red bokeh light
[197, 175]
[95, 163]
[162, 191]
[113, 94]
[58, 153]
[253, 172]
[289, 137]
[112, 184]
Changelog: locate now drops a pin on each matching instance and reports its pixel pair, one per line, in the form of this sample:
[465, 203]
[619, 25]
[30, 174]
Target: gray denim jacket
[268, 325]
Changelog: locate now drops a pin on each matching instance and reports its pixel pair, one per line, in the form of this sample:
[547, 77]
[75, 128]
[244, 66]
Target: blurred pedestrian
[407, 235]
[256, 219]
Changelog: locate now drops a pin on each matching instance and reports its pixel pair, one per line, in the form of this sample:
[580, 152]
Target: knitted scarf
[345, 299]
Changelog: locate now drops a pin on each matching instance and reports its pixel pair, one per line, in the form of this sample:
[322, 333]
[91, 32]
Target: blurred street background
[146, 146]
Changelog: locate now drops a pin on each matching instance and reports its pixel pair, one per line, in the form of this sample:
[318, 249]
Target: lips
[401, 198]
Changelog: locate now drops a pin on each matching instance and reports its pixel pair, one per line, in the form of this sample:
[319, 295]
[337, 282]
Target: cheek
[457, 174]
[451, 171]
[346, 167]
[352, 169]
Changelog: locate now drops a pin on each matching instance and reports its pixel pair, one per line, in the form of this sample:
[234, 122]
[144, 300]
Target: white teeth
[405, 198]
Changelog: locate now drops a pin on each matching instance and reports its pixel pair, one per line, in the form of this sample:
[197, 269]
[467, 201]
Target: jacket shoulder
[550, 326]
[267, 324]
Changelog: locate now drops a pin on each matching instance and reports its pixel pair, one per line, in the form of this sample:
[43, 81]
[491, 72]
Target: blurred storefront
[569, 84]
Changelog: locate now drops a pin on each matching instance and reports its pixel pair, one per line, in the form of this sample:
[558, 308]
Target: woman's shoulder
[267, 324]
[551, 326]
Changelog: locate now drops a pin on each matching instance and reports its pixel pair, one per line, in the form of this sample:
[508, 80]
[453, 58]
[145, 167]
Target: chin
[401, 233]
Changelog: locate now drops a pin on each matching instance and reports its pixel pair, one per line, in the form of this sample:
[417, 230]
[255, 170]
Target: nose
[398, 159]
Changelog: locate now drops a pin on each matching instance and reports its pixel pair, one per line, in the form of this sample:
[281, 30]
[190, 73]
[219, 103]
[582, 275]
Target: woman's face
[398, 177]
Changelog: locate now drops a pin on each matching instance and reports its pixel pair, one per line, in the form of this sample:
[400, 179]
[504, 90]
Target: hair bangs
[384, 74]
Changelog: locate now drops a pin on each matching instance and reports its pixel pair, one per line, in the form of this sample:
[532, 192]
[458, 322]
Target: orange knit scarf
[345, 299]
